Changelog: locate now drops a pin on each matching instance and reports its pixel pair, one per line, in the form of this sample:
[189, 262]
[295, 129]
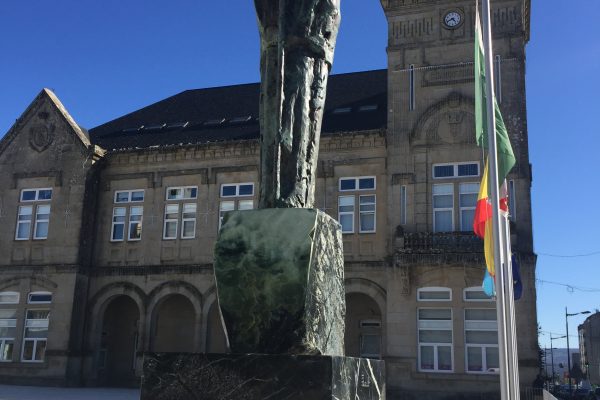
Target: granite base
[183, 376]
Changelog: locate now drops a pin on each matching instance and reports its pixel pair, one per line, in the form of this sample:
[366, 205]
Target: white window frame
[129, 196]
[29, 222]
[455, 169]
[131, 222]
[480, 326]
[189, 220]
[475, 289]
[434, 289]
[37, 195]
[352, 213]
[183, 196]
[41, 220]
[112, 228]
[444, 209]
[30, 324]
[357, 183]
[17, 294]
[170, 221]
[29, 295]
[237, 189]
[4, 340]
[361, 213]
[461, 208]
[433, 325]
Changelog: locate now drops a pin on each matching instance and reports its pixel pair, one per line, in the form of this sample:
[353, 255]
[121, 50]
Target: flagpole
[514, 353]
[506, 373]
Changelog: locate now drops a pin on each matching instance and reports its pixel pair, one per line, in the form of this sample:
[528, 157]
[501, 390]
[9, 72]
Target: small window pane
[25, 213]
[435, 336]
[468, 200]
[23, 230]
[28, 350]
[348, 184]
[170, 229]
[38, 314]
[189, 210]
[7, 351]
[476, 295]
[346, 201]
[475, 359]
[189, 229]
[443, 221]
[443, 171]
[174, 193]
[427, 357]
[228, 190]
[367, 222]
[118, 232]
[8, 298]
[246, 190]
[119, 212]
[122, 197]
[138, 195]
[245, 205]
[41, 230]
[40, 298]
[36, 333]
[191, 193]
[435, 314]
[466, 220]
[443, 189]
[445, 358]
[40, 349]
[172, 211]
[227, 206]
[434, 295]
[8, 314]
[468, 169]
[482, 337]
[366, 183]
[370, 345]
[492, 357]
[480, 314]
[28, 195]
[45, 194]
[346, 222]
[445, 201]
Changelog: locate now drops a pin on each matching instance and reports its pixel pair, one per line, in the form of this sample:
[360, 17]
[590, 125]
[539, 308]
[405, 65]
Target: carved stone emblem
[41, 136]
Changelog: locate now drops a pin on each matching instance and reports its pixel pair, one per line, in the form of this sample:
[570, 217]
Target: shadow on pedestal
[184, 376]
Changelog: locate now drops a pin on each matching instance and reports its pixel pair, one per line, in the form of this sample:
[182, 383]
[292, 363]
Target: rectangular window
[8, 330]
[468, 193]
[370, 338]
[42, 219]
[360, 183]
[481, 339]
[411, 87]
[367, 213]
[24, 222]
[237, 190]
[129, 196]
[36, 194]
[435, 339]
[223, 208]
[455, 170]
[346, 213]
[135, 222]
[434, 294]
[39, 298]
[118, 224]
[9, 297]
[403, 205]
[182, 193]
[443, 207]
[171, 221]
[35, 335]
[188, 221]
[512, 201]
[475, 294]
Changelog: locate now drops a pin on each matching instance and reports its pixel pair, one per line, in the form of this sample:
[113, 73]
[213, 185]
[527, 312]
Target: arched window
[9, 297]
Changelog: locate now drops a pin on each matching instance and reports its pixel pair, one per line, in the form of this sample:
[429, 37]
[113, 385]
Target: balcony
[438, 248]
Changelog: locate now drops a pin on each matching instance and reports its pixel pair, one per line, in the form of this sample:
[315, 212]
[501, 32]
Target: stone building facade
[589, 348]
[107, 236]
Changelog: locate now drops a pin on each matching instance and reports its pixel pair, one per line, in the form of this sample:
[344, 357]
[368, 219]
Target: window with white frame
[39, 298]
[475, 294]
[467, 200]
[35, 335]
[403, 204]
[370, 338]
[443, 207]
[481, 340]
[33, 216]
[235, 196]
[127, 216]
[181, 213]
[8, 331]
[455, 170]
[9, 297]
[367, 204]
[434, 294]
[435, 339]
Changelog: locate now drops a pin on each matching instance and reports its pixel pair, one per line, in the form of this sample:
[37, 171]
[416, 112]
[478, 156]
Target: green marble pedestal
[280, 281]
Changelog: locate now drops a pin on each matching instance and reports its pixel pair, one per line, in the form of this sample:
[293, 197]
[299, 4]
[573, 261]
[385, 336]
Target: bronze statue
[297, 44]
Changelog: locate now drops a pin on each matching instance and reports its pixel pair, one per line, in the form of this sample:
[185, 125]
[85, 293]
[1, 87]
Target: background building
[589, 347]
[108, 234]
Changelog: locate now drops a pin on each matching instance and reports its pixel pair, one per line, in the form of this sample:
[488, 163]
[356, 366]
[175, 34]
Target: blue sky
[107, 58]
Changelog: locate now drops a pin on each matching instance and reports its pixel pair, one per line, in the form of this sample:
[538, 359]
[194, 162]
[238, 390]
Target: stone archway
[119, 342]
[173, 326]
[364, 327]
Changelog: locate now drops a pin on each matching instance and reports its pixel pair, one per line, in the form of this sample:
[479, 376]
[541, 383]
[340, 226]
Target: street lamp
[552, 355]
[567, 315]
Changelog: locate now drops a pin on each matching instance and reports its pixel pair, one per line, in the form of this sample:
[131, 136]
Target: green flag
[506, 157]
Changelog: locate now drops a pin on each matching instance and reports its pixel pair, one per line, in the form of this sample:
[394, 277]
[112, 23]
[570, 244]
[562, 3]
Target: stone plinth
[280, 281]
[183, 376]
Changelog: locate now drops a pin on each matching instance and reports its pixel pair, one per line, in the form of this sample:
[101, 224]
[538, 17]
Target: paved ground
[8, 392]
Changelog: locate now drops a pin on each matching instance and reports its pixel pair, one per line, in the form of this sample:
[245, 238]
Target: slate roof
[354, 102]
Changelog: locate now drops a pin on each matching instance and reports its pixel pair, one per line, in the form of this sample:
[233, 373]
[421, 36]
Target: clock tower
[435, 165]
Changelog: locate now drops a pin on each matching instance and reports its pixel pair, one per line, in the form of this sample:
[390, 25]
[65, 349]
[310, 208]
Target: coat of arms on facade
[41, 136]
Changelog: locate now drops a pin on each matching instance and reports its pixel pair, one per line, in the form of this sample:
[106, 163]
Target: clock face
[452, 19]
